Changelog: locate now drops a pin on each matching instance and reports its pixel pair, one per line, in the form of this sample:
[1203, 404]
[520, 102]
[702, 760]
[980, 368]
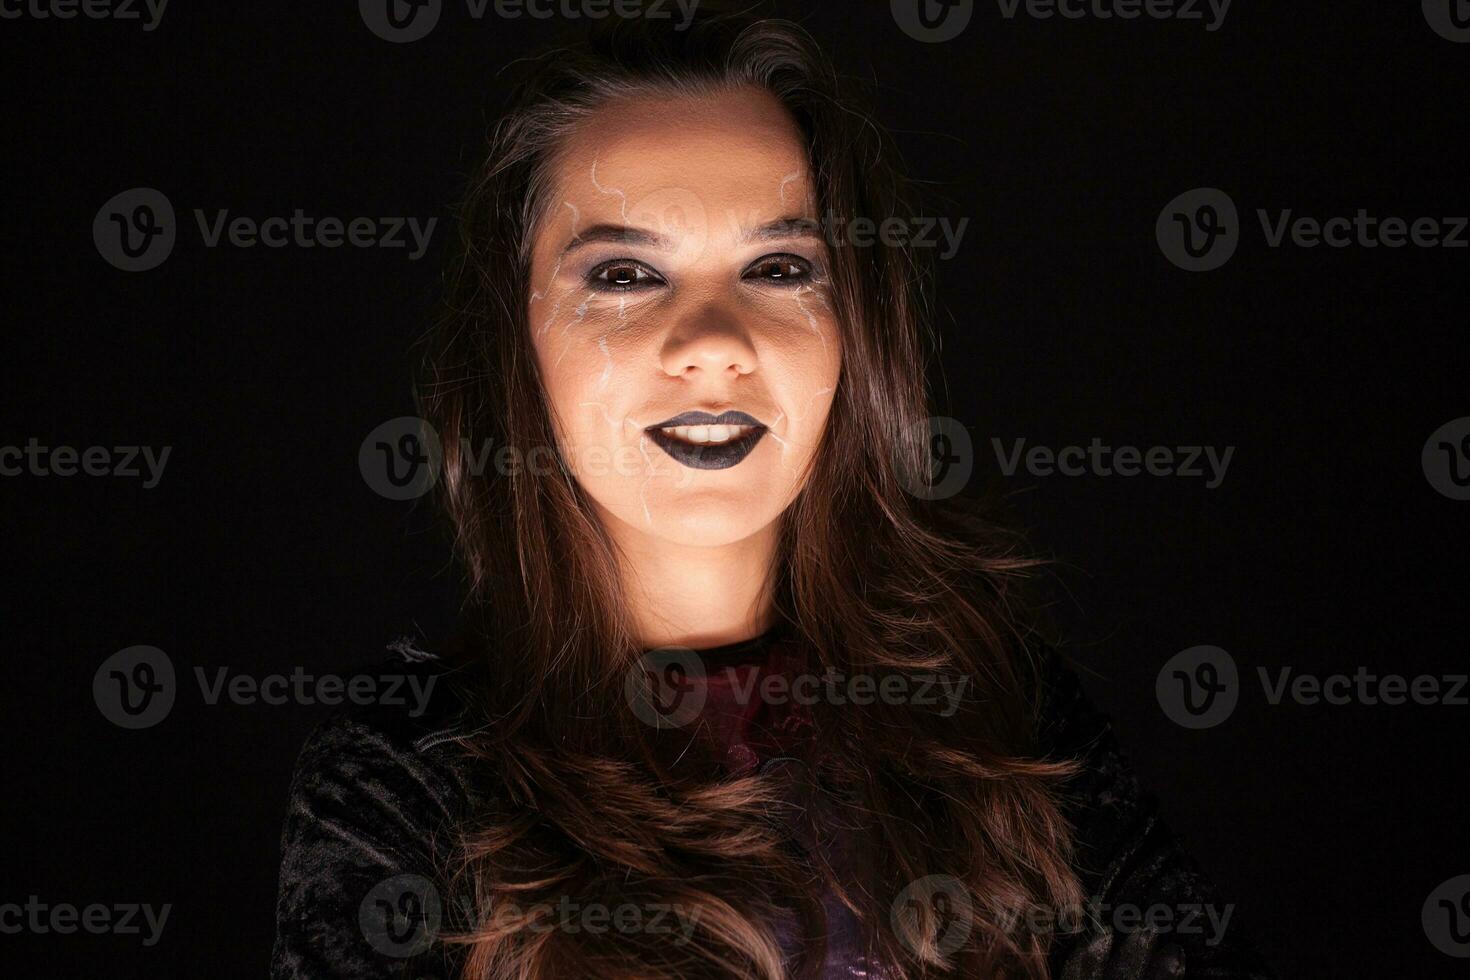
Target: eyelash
[645, 278]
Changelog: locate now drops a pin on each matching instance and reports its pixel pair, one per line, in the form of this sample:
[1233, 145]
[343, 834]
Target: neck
[696, 596]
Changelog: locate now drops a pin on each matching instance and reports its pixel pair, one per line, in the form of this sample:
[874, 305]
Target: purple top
[377, 790]
[772, 737]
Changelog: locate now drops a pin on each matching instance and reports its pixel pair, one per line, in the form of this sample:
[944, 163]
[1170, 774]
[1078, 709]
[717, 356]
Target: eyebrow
[784, 228]
[615, 233]
[788, 227]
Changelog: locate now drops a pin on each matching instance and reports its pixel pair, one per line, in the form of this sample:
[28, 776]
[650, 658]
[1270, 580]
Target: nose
[709, 342]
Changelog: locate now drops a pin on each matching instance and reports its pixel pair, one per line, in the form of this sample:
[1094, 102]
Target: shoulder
[376, 798]
[394, 737]
[406, 698]
[1069, 722]
[1128, 859]
[1104, 794]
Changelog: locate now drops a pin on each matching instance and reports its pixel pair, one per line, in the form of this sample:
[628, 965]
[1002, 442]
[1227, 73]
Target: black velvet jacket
[377, 793]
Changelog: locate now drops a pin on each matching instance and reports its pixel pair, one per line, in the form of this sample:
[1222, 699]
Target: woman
[731, 698]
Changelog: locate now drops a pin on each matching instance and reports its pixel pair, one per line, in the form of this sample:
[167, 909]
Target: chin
[701, 517]
[709, 518]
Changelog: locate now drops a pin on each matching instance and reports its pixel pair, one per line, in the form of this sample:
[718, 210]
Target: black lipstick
[707, 456]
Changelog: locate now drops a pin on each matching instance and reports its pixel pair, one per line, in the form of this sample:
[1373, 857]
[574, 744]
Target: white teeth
[706, 433]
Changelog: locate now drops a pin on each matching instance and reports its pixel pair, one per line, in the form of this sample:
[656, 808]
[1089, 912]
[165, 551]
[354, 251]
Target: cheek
[802, 325]
[556, 320]
[586, 355]
[802, 360]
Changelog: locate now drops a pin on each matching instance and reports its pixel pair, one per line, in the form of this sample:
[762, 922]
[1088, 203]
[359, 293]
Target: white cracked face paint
[681, 271]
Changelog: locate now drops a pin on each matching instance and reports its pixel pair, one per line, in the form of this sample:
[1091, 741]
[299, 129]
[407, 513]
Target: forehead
[733, 151]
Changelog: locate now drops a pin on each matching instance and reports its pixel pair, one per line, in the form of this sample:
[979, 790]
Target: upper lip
[705, 418]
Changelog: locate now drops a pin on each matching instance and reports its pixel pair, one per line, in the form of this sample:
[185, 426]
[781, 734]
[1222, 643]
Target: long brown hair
[590, 801]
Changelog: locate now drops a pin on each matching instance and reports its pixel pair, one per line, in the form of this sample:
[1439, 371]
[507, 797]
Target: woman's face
[680, 314]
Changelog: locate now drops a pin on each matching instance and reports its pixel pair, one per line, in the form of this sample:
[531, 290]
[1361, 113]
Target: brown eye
[780, 270]
[622, 274]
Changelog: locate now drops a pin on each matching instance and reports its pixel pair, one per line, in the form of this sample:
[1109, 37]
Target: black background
[262, 549]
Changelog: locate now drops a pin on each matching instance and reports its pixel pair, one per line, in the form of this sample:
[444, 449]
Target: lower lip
[707, 456]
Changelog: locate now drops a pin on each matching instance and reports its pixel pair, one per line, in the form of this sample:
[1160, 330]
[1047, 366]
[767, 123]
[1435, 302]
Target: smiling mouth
[703, 441]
